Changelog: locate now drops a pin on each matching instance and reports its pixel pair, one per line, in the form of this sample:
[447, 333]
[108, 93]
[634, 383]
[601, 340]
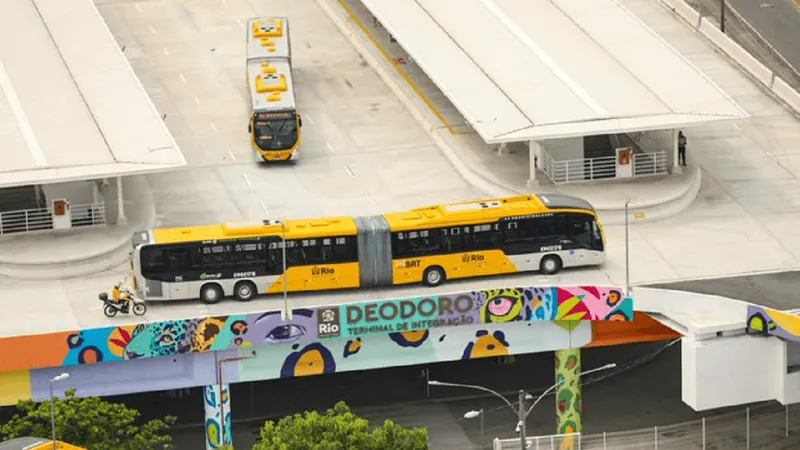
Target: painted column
[217, 401]
[569, 406]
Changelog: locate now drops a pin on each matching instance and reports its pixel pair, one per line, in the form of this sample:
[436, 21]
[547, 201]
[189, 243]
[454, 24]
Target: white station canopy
[542, 69]
[71, 107]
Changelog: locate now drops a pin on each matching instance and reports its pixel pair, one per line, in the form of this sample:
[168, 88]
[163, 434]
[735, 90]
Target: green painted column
[569, 405]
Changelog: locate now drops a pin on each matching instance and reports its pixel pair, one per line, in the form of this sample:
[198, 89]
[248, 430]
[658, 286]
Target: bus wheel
[211, 293]
[433, 276]
[550, 265]
[244, 291]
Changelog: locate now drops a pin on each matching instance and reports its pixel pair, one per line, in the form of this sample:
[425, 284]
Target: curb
[652, 211]
[384, 71]
[93, 263]
[483, 183]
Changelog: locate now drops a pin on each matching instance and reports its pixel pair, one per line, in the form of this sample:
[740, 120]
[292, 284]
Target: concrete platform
[80, 252]
[360, 147]
[500, 175]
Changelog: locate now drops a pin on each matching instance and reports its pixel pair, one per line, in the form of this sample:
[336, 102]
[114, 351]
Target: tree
[88, 422]
[338, 429]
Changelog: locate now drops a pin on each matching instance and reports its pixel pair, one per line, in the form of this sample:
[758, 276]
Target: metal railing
[41, 219]
[757, 427]
[649, 164]
[603, 168]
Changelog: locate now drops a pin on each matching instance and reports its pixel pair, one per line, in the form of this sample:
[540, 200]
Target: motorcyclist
[118, 296]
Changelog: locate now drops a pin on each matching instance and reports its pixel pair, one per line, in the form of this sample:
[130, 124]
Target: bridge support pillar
[569, 404]
[217, 401]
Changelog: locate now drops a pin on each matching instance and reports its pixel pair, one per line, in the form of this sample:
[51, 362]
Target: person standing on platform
[681, 149]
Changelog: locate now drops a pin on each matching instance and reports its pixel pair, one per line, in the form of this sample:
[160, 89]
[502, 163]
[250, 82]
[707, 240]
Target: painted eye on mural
[166, 339]
[286, 333]
[501, 305]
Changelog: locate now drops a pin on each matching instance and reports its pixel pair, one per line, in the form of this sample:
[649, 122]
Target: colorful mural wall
[356, 320]
[772, 322]
[411, 347]
[328, 356]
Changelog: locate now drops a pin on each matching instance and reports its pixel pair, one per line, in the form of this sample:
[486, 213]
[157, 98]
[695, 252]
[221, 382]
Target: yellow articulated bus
[274, 125]
[425, 245]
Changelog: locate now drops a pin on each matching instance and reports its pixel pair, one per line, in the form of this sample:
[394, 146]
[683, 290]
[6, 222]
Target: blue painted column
[217, 401]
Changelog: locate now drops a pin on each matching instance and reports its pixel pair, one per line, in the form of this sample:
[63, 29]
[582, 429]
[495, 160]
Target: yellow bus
[425, 245]
[274, 124]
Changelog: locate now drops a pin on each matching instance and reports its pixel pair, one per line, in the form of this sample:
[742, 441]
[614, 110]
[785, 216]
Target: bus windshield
[275, 134]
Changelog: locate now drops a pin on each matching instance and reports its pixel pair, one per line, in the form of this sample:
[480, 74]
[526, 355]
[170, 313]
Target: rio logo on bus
[472, 258]
[323, 271]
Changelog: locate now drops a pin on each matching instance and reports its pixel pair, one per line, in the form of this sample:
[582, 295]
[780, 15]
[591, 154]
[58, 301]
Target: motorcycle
[126, 303]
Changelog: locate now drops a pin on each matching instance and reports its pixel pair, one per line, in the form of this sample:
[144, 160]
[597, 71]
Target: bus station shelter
[547, 69]
[71, 107]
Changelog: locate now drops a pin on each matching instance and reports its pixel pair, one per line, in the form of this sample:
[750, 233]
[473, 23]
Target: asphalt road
[778, 21]
[775, 290]
[643, 396]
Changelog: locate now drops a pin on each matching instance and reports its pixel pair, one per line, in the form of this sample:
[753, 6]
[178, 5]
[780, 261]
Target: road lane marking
[266, 211]
[330, 147]
[349, 170]
[246, 180]
[233, 158]
[309, 119]
[138, 7]
[166, 51]
[183, 78]
[152, 30]
[213, 127]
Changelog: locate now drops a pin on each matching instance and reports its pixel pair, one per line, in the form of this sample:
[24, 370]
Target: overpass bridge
[217, 350]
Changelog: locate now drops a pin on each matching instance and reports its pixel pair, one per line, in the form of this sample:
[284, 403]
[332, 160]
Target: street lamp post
[287, 313]
[627, 252]
[55, 379]
[521, 411]
[473, 414]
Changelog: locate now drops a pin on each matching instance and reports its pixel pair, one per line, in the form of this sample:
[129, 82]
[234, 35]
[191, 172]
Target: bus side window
[295, 256]
[180, 260]
[217, 257]
[400, 247]
[452, 240]
[425, 242]
[313, 251]
[512, 232]
[486, 236]
[275, 258]
[154, 260]
[549, 230]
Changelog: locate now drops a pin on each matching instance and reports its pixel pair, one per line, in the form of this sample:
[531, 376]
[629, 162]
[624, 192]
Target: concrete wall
[737, 370]
[566, 149]
[77, 192]
[124, 377]
[731, 371]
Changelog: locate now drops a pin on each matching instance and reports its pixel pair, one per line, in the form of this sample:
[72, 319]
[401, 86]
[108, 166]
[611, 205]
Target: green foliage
[88, 422]
[338, 429]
